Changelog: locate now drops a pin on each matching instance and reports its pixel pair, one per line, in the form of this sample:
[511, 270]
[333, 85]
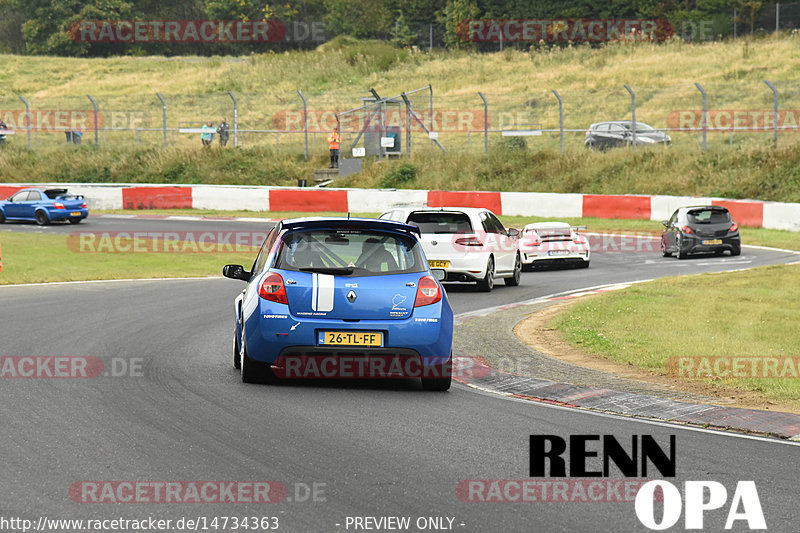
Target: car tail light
[272, 288]
[687, 229]
[734, 227]
[468, 241]
[428, 292]
[58, 205]
[84, 205]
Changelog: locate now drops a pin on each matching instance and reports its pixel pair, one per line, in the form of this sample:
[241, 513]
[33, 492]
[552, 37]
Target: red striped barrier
[744, 213]
[616, 206]
[157, 198]
[311, 201]
[485, 200]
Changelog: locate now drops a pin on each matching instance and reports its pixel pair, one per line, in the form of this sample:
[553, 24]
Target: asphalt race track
[373, 449]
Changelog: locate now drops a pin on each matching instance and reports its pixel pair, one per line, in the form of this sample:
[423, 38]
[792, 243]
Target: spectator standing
[224, 132]
[207, 135]
[3, 127]
[333, 142]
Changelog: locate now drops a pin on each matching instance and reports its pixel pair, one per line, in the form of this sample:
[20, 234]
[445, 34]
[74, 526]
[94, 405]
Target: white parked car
[469, 243]
[552, 243]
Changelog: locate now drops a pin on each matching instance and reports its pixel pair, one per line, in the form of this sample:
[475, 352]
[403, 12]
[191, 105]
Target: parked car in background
[43, 206]
[325, 292]
[553, 243]
[469, 243]
[605, 135]
[699, 229]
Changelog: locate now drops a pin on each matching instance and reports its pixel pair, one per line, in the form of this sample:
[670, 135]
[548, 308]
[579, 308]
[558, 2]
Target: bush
[400, 175]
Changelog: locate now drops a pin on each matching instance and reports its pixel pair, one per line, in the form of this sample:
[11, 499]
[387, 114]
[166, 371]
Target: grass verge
[33, 258]
[747, 314]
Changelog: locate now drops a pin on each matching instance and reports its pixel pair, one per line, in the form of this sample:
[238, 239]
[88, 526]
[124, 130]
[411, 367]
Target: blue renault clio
[342, 298]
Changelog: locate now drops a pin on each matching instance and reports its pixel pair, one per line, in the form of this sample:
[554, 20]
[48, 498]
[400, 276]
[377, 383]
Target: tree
[456, 16]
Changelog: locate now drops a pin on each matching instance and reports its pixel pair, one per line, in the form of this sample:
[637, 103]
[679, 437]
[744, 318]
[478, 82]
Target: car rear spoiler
[578, 227]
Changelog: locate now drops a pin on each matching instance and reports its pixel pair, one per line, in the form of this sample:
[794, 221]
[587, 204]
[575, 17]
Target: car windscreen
[708, 216]
[345, 252]
[442, 223]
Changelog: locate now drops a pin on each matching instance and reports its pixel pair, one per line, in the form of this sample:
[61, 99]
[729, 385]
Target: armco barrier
[754, 213]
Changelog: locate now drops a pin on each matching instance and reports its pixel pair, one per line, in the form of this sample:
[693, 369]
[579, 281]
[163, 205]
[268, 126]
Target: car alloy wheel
[678, 252]
[41, 218]
[487, 283]
[514, 280]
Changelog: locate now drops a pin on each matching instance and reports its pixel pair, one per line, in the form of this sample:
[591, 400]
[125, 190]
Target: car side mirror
[665, 223]
[439, 273]
[513, 232]
[236, 272]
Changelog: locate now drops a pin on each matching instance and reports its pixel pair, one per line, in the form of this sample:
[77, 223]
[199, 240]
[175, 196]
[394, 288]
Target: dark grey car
[605, 135]
[697, 229]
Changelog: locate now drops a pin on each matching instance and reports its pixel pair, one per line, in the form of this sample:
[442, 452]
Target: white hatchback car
[552, 243]
[469, 243]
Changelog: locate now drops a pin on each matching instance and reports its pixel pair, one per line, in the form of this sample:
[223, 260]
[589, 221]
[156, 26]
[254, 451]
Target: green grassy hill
[518, 85]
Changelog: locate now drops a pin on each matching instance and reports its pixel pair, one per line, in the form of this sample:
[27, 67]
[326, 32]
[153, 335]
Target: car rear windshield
[345, 252]
[55, 193]
[709, 216]
[441, 222]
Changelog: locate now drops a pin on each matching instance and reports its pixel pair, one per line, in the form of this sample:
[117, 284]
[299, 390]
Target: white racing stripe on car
[322, 293]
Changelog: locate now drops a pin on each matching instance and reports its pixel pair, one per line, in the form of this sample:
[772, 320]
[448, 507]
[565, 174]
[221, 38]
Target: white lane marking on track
[56, 283]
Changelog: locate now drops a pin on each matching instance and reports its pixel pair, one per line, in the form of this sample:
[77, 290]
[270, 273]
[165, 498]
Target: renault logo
[351, 296]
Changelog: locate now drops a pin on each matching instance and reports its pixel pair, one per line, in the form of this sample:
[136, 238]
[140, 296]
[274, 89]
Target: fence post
[430, 88]
[94, 104]
[560, 119]
[777, 16]
[775, 111]
[305, 119]
[235, 119]
[485, 123]
[705, 113]
[633, 114]
[27, 118]
[163, 116]
[408, 130]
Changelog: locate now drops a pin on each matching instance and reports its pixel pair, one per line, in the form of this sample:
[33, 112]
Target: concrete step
[325, 174]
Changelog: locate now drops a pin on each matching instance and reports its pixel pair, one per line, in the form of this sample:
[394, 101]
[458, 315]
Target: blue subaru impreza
[342, 298]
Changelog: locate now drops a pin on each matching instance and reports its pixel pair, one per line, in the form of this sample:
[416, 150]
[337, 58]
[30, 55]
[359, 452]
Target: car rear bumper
[66, 214]
[542, 258]
[694, 244]
[273, 330]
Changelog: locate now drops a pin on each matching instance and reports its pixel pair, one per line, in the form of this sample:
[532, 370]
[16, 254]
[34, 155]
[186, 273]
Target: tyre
[678, 252]
[513, 281]
[253, 371]
[41, 218]
[664, 251]
[487, 283]
[237, 361]
[2, 217]
[75, 220]
[441, 376]
[585, 264]
[736, 251]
